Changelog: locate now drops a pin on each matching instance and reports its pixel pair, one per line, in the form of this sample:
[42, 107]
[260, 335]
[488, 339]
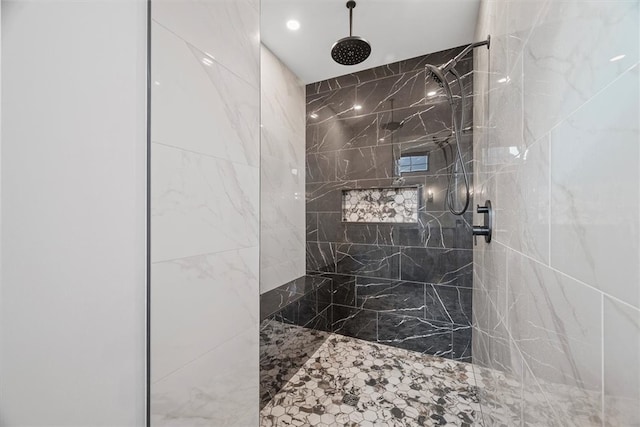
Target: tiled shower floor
[357, 383]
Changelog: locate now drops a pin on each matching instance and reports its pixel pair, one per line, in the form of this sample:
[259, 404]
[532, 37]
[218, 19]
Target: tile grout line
[602, 402]
[205, 254]
[210, 156]
[571, 277]
[549, 198]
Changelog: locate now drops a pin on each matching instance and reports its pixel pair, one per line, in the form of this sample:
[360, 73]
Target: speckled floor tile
[357, 383]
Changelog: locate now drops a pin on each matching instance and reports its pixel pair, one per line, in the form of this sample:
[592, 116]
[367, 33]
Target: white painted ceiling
[396, 29]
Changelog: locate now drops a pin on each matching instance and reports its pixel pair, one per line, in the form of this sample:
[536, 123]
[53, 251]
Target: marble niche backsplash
[399, 205]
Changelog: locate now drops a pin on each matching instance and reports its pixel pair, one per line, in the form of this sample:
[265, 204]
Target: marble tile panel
[621, 367]
[352, 79]
[282, 190]
[283, 101]
[328, 85]
[322, 322]
[365, 163]
[279, 245]
[564, 406]
[340, 134]
[522, 202]
[406, 90]
[437, 266]
[412, 333]
[554, 86]
[227, 30]
[368, 260]
[358, 233]
[390, 296]
[344, 290]
[461, 343]
[354, 322]
[331, 105]
[201, 204]
[326, 196]
[282, 272]
[321, 257]
[583, 228]
[324, 296]
[199, 105]
[425, 122]
[312, 226]
[188, 292]
[500, 396]
[278, 298]
[215, 389]
[556, 323]
[388, 234]
[329, 226]
[321, 167]
[437, 230]
[300, 311]
[448, 304]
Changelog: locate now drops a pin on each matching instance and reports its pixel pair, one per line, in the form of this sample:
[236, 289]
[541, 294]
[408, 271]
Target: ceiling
[396, 29]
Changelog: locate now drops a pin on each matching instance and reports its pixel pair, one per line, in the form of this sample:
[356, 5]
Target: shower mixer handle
[486, 229]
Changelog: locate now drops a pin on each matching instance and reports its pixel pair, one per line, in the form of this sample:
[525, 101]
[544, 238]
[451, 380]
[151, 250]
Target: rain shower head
[350, 50]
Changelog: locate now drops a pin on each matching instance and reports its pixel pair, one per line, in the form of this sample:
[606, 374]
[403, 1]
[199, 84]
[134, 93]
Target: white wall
[73, 213]
[556, 295]
[205, 113]
[282, 173]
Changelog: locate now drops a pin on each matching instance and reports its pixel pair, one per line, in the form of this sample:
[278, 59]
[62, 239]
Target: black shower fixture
[350, 50]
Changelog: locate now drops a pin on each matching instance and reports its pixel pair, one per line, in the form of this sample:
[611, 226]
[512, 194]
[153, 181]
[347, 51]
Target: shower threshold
[352, 382]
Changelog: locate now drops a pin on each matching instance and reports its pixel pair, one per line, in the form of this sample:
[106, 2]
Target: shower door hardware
[484, 230]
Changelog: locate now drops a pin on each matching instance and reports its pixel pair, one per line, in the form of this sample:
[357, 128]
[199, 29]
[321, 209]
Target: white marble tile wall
[73, 209]
[282, 173]
[205, 155]
[557, 293]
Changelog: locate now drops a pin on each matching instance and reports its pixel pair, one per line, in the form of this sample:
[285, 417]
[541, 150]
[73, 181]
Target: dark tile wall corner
[284, 311]
[405, 285]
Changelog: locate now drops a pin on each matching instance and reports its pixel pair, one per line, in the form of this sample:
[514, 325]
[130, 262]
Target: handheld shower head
[436, 74]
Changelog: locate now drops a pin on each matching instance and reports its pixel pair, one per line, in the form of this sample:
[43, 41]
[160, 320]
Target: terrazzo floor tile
[351, 382]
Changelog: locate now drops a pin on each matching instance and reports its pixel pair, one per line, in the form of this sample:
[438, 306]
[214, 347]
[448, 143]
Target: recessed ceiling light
[357, 107]
[207, 61]
[617, 58]
[504, 80]
[432, 93]
[293, 25]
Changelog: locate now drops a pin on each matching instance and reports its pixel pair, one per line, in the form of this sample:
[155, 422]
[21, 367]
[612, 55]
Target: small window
[413, 163]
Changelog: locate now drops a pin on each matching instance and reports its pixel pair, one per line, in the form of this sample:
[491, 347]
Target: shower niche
[381, 205]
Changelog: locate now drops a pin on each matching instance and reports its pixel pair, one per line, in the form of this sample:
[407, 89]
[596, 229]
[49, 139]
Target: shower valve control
[484, 230]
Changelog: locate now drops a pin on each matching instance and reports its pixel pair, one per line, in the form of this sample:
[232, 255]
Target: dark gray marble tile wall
[406, 285]
[284, 348]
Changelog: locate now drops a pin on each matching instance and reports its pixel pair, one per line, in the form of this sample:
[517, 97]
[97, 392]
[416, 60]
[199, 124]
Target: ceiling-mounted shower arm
[351, 4]
[452, 62]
